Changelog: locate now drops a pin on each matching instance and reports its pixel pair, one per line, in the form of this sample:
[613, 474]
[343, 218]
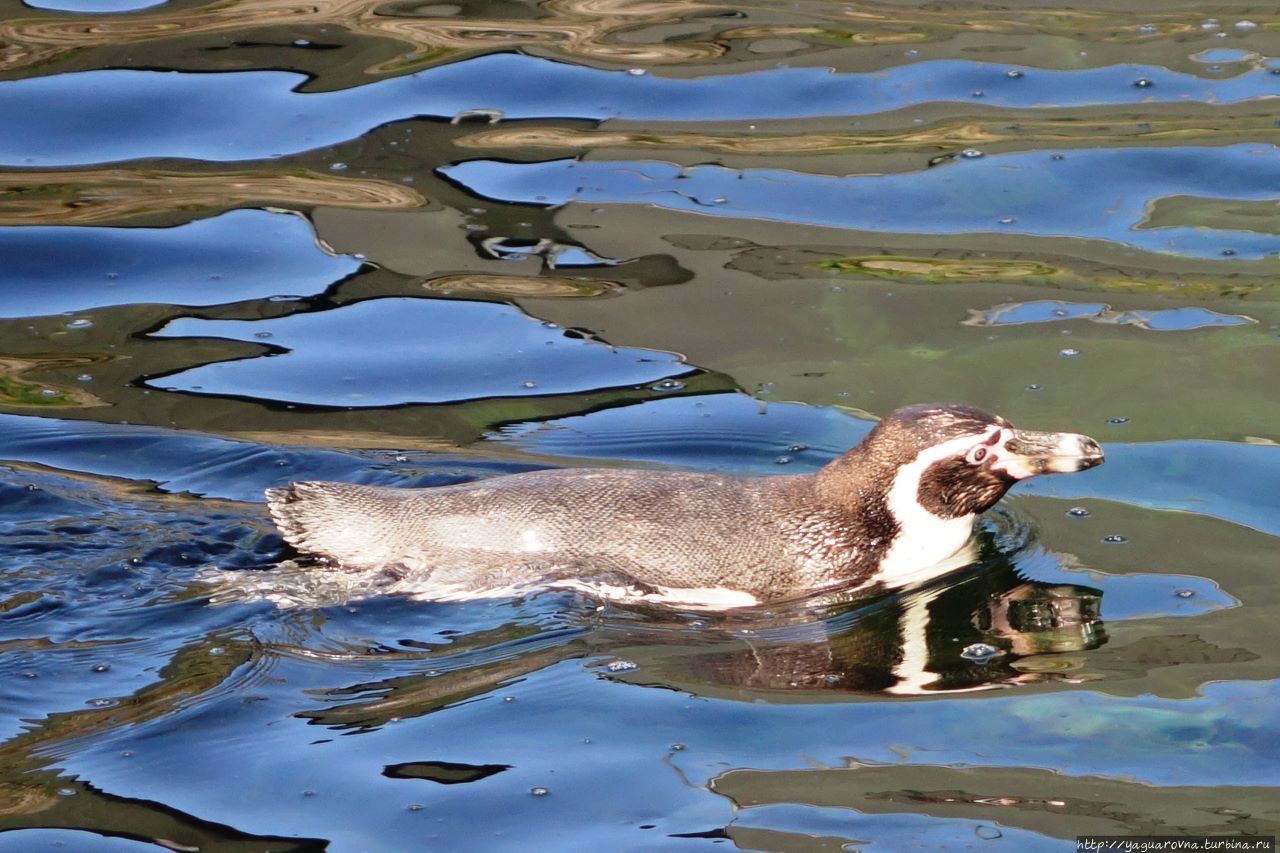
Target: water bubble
[263, 335]
[30, 674]
[1245, 25]
[48, 392]
[677, 747]
[1034, 386]
[67, 792]
[637, 72]
[1056, 157]
[1069, 352]
[835, 288]
[80, 323]
[84, 377]
[337, 167]
[911, 52]
[127, 753]
[508, 699]
[987, 833]
[979, 652]
[1211, 25]
[102, 667]
[301, 43]
[1078, 512]
[1144, 83]
[528, 383]
[1228, 252]
[217, 651]
[797, 448]
[1013, 74]
[1117, 421]
[1007, 220]
[667, 385]
[1115, 539]
[622, 666]
[101, 703]
[971, 153]
[977, 93]
[1184, 593]
[415, 807]
[782, 460]
[539, 791]
[1148, 29]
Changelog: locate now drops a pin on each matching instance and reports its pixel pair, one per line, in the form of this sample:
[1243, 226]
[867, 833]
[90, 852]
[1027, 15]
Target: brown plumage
[887, 510]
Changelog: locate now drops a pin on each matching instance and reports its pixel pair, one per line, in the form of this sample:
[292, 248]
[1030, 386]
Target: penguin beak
[1027, 454]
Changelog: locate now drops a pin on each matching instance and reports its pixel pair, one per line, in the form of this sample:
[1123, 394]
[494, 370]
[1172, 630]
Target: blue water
[461, 243]
[126, 115]
[1099, 194]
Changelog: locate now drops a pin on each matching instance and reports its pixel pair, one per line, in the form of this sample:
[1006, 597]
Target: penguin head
[954, 461]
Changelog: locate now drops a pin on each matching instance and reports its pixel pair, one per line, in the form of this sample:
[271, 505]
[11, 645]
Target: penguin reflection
[980, 632]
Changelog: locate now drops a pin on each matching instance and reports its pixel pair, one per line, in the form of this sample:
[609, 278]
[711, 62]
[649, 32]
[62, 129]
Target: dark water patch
[1095, 194]
[1034, 809]
[444, 772]
[790, 826]
[254, 115]
[240, 255]
[392, 351]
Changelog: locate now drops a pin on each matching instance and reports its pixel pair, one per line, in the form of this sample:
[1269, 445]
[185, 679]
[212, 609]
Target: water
[424, 244]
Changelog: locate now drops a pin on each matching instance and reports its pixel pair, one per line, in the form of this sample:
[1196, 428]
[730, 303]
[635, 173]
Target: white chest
[926, 549]
[925, 543]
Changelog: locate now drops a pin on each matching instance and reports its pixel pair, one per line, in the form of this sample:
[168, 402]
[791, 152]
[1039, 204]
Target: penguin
[895, 510]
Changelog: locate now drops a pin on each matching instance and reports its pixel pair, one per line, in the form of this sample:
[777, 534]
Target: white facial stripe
[923, 538]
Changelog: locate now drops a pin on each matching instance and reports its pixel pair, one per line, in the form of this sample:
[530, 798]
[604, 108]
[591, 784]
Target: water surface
[417, 245]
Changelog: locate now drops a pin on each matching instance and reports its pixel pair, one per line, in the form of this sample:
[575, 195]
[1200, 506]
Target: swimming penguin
[891, 511]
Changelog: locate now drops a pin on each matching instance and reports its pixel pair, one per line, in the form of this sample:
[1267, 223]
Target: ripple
[262, 114]
[367, 354]
[239, 255]
[1110, 192]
